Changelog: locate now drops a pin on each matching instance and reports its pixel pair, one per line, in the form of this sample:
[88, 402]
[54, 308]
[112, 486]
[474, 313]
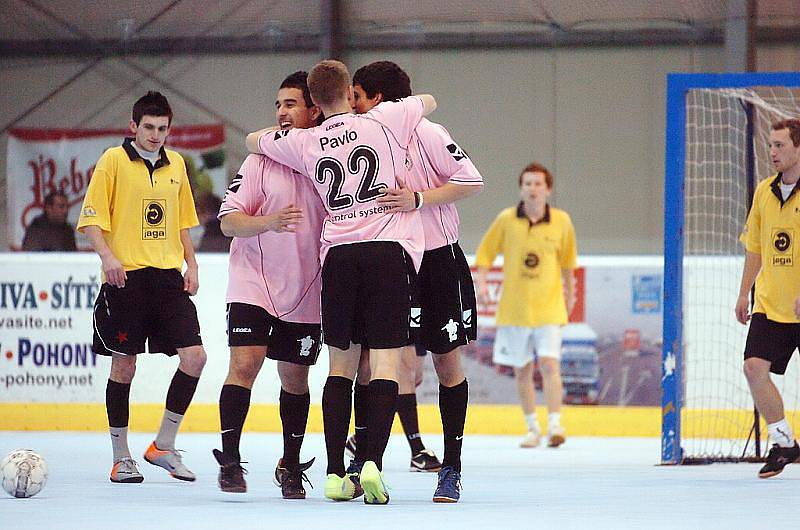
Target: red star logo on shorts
[122, 336]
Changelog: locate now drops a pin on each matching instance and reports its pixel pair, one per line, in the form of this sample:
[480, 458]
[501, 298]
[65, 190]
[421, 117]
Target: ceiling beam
[288, 43]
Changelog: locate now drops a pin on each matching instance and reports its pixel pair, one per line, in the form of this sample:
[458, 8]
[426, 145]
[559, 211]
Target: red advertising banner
[41, 161]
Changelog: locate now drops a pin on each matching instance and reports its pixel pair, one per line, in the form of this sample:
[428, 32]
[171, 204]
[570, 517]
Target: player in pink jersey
[440, 174]
[273, 294]
[369, 256]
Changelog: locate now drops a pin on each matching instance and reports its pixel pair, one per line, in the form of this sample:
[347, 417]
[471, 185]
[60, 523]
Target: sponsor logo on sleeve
[457, 152]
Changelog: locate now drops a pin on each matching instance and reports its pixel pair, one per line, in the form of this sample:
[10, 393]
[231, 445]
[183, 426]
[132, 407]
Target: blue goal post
[673, 377]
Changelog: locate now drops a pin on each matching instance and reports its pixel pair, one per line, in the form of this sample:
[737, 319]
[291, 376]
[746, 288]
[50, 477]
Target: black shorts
[420, 349]
[291, 342]
[772, 341]
[366, 295]
[152, 308]
[447, 299]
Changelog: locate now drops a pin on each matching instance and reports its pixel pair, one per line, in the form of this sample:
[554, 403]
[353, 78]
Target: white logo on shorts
[305, 345]
[452, 330]
[242, 330]
[416, 317]
[466, 318]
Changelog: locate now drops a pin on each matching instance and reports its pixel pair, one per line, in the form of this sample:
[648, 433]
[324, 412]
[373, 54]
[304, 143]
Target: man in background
[50, 231]
[537, 242]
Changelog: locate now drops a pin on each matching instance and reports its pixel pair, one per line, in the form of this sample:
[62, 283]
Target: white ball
[24, 473]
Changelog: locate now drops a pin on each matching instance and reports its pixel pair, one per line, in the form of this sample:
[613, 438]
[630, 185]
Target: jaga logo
[154, 219]
[782, 239]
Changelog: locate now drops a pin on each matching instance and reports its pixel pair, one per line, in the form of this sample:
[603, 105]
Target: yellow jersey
[534, 255]
[771, 231]
[141, 208]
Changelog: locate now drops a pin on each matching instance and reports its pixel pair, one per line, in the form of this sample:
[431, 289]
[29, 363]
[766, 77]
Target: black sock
[382, 406]
[117, 398]
[407, 410]
[234, 402]
[336, 401]
[453, 408]
[294, 416]
[360, 408]
[180, 392]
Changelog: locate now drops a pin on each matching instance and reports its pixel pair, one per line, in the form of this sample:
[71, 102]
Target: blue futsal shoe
[449, 487]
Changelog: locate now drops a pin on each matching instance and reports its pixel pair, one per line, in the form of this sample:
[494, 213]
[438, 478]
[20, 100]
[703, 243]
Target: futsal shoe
[350, 446]
[290, 480]
[531, 439]
[778, 458]
[340, 488]
[169, 460]
[124, 471]
[556, 437]
[231, 473]
[375, 490]
[448, 488]
[425, 462]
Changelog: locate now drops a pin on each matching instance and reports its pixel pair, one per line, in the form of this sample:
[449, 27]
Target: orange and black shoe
[124, 471]
[169, 459]
[778, 458]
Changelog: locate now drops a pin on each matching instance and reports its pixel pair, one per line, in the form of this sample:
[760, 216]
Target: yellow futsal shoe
[375, 490]
[340, 488]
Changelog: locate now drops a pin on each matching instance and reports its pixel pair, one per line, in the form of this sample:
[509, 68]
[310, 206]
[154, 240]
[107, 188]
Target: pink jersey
[351, 159]
[436, 160]
[279, 272]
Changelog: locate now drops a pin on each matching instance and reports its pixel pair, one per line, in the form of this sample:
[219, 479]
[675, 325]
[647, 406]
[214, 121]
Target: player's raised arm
[252, 139]
[428, 103]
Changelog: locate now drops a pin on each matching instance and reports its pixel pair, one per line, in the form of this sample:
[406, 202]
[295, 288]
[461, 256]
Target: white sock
[533, 425]
[119, 442]
[170, 423]
[781, 433]
[553, 420]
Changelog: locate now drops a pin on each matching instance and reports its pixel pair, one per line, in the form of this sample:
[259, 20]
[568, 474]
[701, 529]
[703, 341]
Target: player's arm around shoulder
[428, 103]
[450, 161]
[252, 141]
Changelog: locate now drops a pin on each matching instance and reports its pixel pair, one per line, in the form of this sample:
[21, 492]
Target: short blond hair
[328, 82]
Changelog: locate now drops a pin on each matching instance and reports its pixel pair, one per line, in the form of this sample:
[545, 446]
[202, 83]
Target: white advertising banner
[41, 161]
[46, 302]
[611, 350]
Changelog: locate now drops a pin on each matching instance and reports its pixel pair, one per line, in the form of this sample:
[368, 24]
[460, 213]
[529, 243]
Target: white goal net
[727, 154]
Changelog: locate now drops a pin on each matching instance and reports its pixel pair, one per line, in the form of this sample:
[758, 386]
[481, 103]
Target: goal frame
[678, 85]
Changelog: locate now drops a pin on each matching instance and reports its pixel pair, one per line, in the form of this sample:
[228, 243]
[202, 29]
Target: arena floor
[587, 483]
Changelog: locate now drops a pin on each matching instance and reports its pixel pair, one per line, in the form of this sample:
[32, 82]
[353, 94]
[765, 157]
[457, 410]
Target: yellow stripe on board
[204, 417]
[481, 419]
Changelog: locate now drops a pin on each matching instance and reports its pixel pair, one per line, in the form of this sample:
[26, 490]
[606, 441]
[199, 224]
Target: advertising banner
[611, 351]
[40, 161]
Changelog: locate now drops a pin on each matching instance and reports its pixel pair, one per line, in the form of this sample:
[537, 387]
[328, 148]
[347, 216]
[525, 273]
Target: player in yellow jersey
[539, 251]
[137, 213]
[769, 237]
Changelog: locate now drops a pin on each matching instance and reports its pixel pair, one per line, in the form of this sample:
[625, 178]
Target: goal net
[717, 151]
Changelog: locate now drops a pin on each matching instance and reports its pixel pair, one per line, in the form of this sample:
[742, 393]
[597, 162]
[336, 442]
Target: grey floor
[587, 483]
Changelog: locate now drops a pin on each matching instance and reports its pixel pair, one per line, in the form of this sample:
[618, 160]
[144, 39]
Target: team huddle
[345, 234]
